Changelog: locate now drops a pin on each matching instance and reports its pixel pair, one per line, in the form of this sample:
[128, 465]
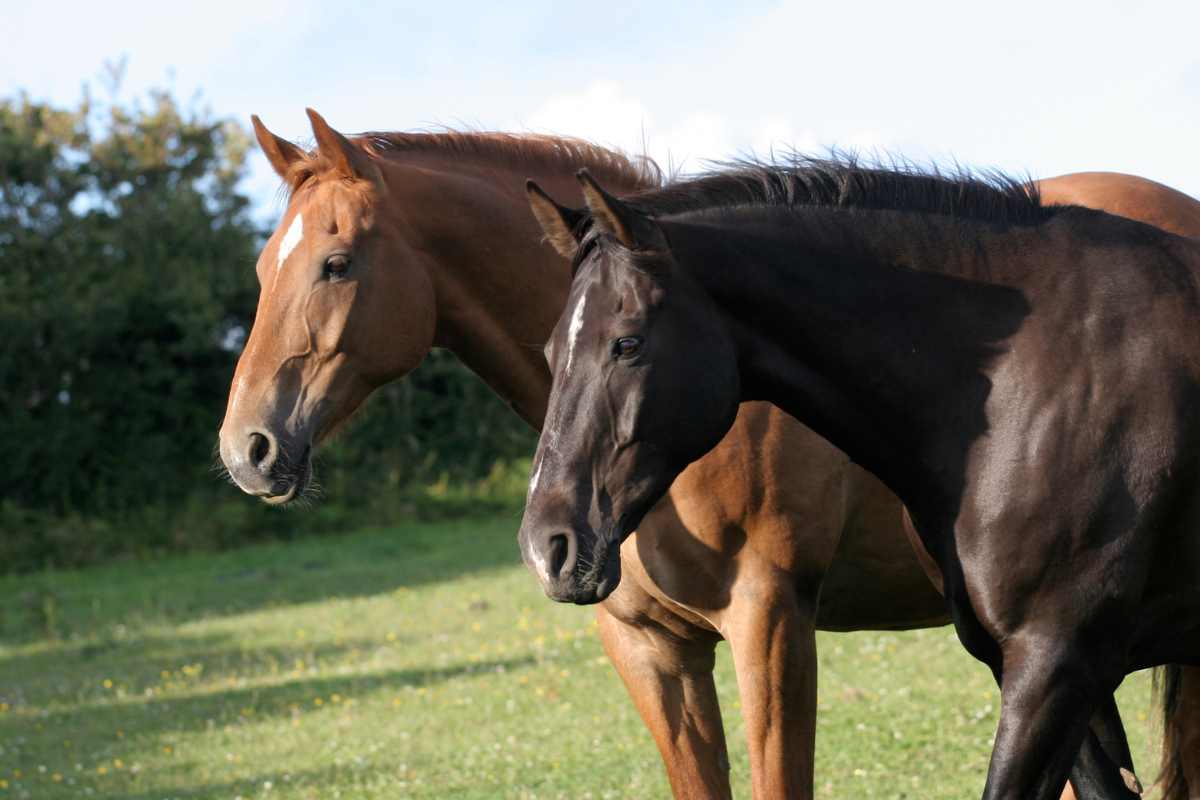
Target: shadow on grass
[63, 605]
[149, 719]
[255, 786]
[248, 787]
[138, 663]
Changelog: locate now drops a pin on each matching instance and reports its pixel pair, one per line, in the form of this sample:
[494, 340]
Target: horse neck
[498, 288]
[888, 362]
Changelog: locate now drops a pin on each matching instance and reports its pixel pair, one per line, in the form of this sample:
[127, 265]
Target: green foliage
[439, 427]
[126, 281]
[124, 246]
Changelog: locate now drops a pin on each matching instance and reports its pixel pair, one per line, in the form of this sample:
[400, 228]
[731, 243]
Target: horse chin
[287, 489]
[593, 587]
[609, 579]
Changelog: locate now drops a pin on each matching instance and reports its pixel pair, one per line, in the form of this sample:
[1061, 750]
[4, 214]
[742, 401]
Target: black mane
[843, 181]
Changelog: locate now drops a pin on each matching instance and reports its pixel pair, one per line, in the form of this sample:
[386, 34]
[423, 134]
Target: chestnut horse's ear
[279, 151]
[349, 160]
[559, 223]
[631, 228]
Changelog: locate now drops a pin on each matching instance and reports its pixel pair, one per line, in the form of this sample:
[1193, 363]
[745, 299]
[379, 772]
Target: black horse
[1025, 378]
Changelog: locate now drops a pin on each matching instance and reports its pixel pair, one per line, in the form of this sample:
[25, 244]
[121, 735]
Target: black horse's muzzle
[573, 567]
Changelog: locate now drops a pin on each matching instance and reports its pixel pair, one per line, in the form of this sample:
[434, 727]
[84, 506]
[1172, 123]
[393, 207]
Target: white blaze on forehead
[295, 233]
[573, 330]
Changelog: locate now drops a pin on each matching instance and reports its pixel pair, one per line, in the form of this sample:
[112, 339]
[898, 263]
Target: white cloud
[601, 112]
[605, 112]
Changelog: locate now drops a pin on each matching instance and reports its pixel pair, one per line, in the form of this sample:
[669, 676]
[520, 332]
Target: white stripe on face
[537, 474]
[295, 233]
[573, 331]
[550, 432]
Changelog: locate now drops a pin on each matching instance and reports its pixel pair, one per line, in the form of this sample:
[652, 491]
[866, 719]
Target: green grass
[421, 662]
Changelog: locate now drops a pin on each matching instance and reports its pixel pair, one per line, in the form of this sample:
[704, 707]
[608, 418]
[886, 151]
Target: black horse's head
[645, 382]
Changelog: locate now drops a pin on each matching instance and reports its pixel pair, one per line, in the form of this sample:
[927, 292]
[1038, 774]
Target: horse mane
[511, 149]
[846, 182]
[521, 150]
[838, 180]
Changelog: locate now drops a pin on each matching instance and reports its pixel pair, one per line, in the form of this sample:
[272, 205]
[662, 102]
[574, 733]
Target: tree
[126, 256]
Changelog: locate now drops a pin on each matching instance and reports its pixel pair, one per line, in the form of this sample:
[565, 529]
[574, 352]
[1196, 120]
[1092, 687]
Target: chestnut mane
[511, 149]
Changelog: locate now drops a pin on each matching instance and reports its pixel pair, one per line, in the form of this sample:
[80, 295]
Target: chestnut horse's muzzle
[263, 466]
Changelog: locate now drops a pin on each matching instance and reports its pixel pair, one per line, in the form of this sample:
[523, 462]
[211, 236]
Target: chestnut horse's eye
[336, 266]
[627, 346]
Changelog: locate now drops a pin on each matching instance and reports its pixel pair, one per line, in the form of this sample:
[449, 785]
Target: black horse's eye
[336, 266]
[627, 346]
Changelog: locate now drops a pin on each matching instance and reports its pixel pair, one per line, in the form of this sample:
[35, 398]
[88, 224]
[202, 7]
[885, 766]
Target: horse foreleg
[773, 640]
[1104, 766]
[670, 680]
[1050, 689]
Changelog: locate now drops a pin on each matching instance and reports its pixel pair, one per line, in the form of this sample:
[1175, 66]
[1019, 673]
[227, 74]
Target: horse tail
[1168, 685]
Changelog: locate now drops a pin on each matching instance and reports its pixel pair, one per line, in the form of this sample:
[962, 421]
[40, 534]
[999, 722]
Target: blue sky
[1040, 87]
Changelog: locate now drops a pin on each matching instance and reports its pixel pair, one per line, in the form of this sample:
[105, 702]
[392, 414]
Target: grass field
[420, 662]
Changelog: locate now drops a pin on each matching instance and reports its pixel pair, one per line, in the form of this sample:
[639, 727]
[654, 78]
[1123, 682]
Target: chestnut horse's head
[645, 382]
[322, 338]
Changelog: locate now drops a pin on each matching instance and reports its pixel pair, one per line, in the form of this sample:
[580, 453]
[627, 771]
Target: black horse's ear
[631, 228]
[559, 223]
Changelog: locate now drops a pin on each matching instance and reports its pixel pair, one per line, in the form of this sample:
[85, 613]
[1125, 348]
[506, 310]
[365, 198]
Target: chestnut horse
[419, 219]
[1024, 376]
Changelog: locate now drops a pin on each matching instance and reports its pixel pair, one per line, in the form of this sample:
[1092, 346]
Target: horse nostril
[558, 549]
[260, 448]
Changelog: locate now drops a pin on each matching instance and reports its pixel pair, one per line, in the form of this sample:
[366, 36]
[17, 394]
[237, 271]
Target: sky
[1039, 88]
